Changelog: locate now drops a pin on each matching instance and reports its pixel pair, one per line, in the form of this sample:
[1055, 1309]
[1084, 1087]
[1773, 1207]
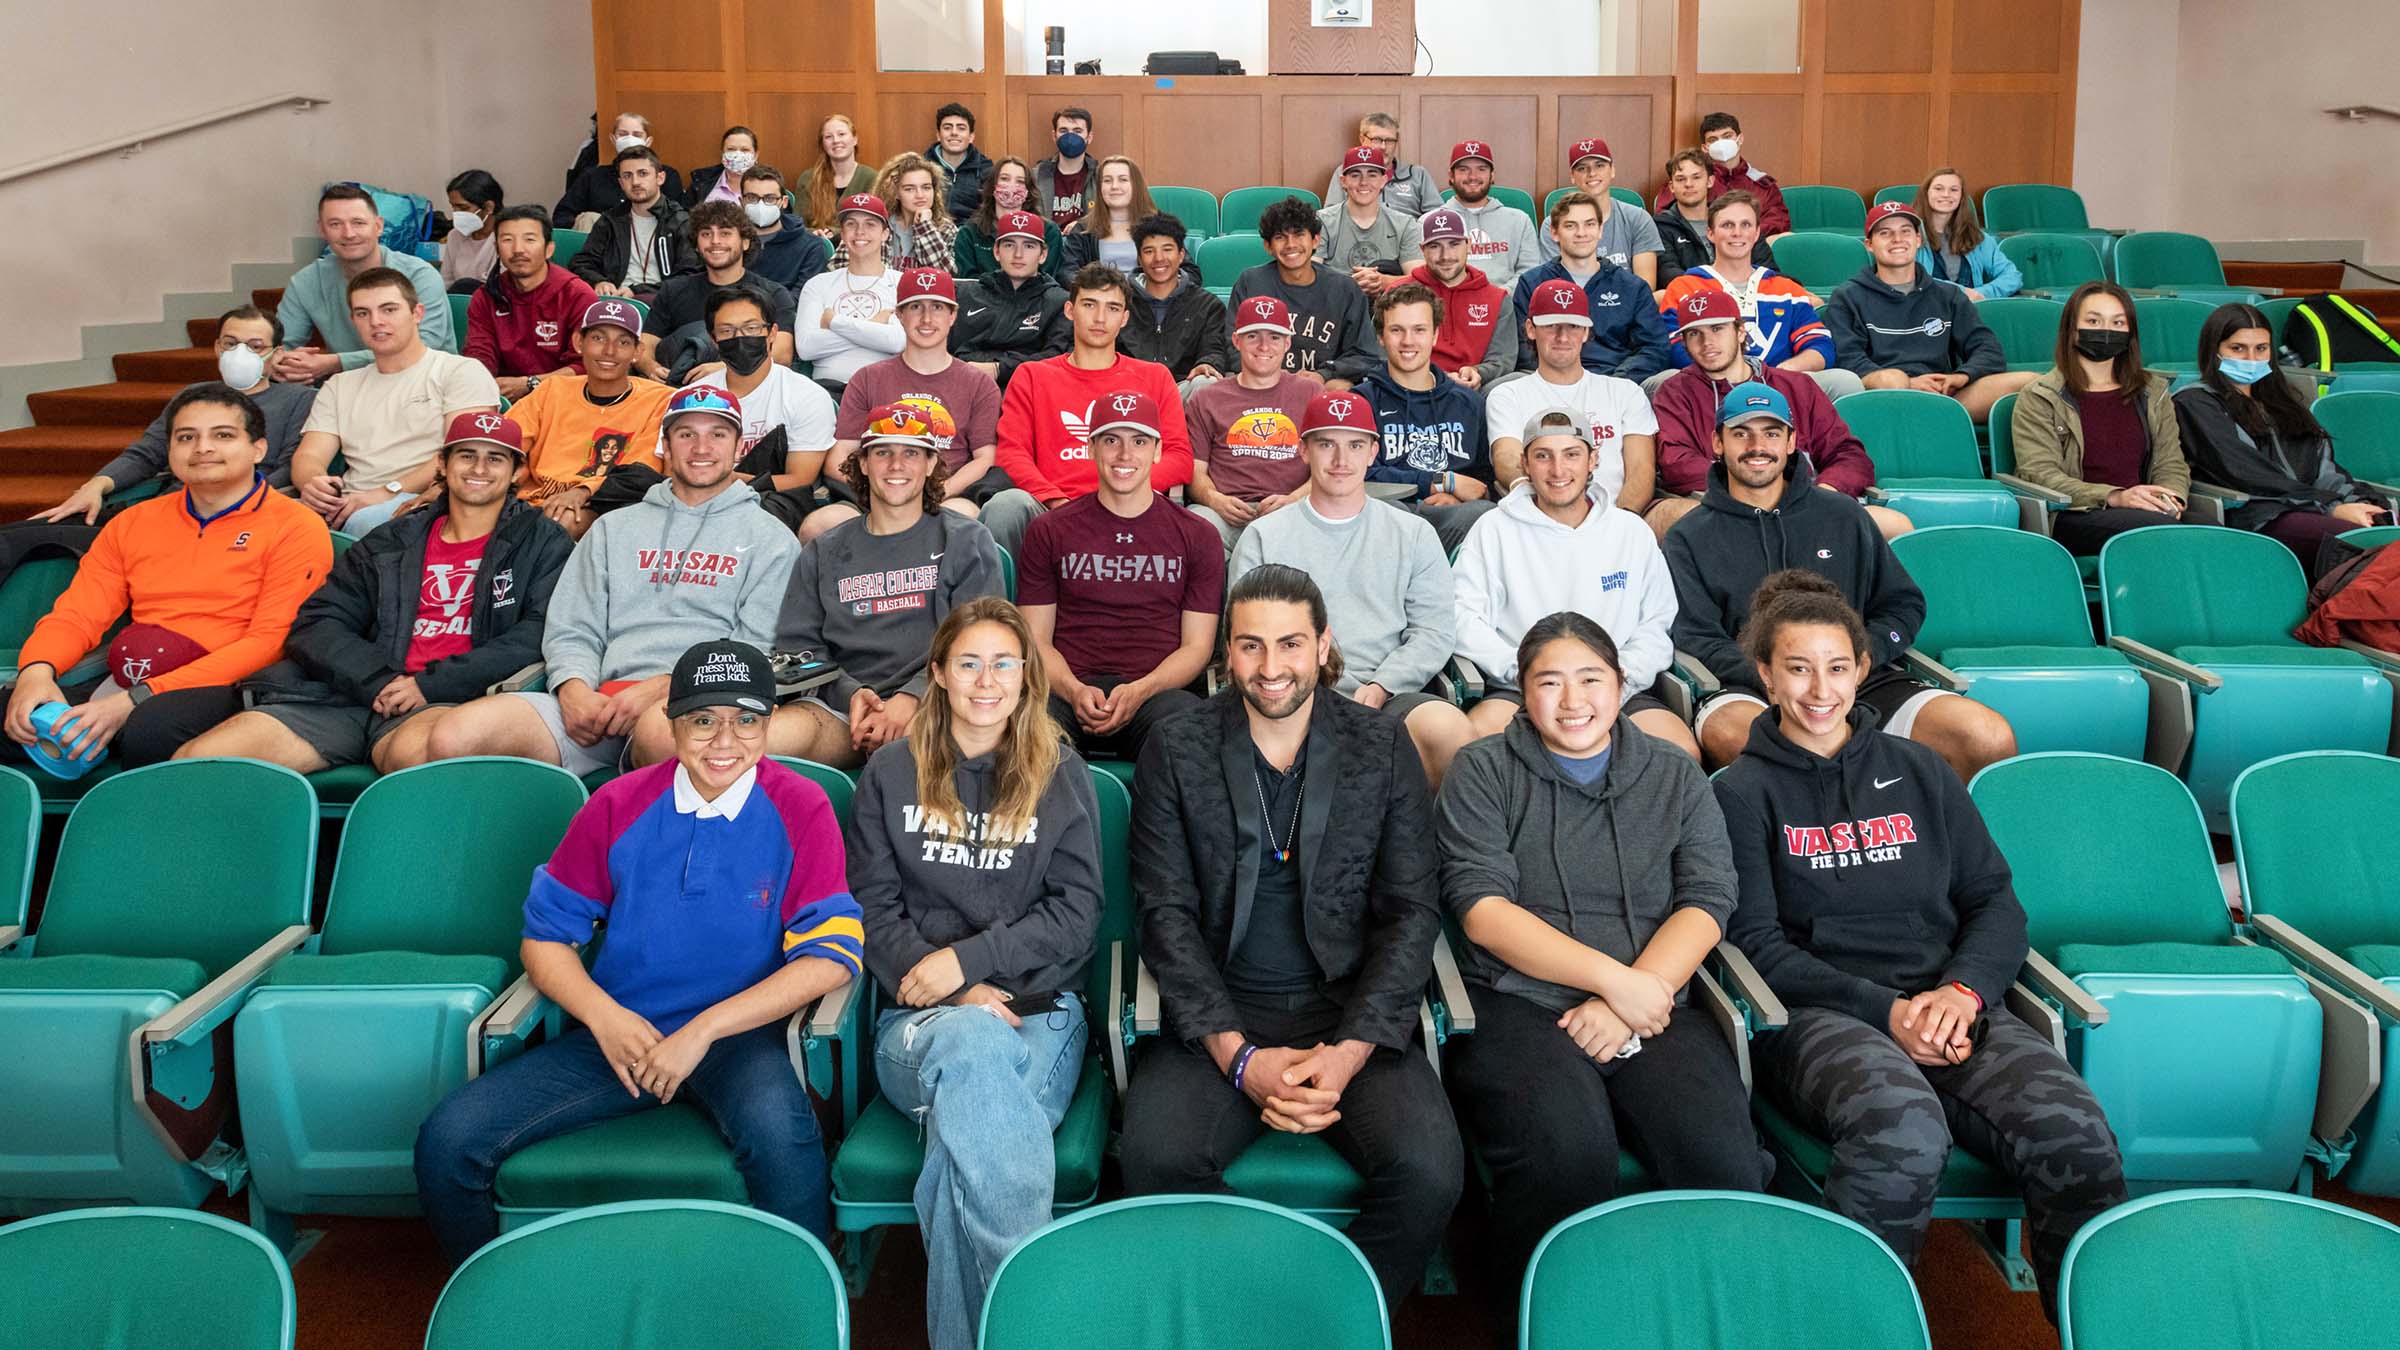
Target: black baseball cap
[722, 674]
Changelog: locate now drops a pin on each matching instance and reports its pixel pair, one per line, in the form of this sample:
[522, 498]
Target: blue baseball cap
[1751, 400]
[703, 398]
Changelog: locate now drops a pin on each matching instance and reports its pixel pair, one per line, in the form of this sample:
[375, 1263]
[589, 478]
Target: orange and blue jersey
[1782, 323]
[698, 907]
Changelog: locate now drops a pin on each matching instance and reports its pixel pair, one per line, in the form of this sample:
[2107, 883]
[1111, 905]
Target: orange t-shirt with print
[570, 441]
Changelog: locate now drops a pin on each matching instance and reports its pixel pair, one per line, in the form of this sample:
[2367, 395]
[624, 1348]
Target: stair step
[23, 494]
[2293, 278]
[176, 365]
[120, 404]
[67, 449]
[202, 332]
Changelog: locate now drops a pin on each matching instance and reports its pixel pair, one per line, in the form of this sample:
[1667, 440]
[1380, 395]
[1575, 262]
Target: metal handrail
[134, 144]
[2360, 112]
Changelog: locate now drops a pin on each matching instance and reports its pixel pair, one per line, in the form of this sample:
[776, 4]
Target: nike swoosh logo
[1882, 783]
[743, 548]
[933, 557]
[973, 312]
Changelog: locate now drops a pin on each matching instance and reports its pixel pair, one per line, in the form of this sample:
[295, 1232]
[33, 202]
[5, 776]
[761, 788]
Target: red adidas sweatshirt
[534, 334]
[1048, 412]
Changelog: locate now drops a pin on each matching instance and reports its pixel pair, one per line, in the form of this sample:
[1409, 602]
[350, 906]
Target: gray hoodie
[1023, 914]
[653, 578]
[1606, 865]
[1501, 240]
[869, 602]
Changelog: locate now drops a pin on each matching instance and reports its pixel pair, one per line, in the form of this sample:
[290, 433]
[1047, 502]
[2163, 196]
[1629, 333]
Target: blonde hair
[1029, 751]
[887, 180]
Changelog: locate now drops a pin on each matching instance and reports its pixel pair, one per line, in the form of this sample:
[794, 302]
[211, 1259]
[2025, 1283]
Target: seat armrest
[9, 934]
[1115, 1034]
[2050, 497]
[2143, 654]
[181, 1042]
[2350, 1067]
[524, 678]
[2229, 496]
[1470, 679]
[1722, 1010]
[2209, 502]
[1766, 1011]
[2327, 965]
[1702, 678]
[1145, 1000]
[1452, 987]
[825, 1020]
[1932, 672]
[517, 1011]
[1877, 496]
[2385, 661]
[480, 1037]
[2051, 983]
[2031, 1010]
[191, 1021]
[2389, 493]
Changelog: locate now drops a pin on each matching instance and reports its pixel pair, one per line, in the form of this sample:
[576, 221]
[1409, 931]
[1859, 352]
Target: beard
[1303, 687]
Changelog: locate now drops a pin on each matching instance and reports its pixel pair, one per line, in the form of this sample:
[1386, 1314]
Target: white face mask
[240, 367]
[625, 143]
[465, 222]
[762, 214]
[1725, 150]
[739, 161]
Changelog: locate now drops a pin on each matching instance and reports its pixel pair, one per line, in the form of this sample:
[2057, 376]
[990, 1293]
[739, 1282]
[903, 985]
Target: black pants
[1126, 741]
[159, 725]
[1185, 1124]
[2083, 532]
[1548, 1121]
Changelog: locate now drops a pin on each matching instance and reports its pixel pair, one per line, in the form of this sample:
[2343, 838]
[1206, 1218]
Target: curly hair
[854, 477]
[1287, 216]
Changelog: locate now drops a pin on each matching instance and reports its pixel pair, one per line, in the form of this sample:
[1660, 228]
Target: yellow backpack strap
[2366, 321]
[2324, 339]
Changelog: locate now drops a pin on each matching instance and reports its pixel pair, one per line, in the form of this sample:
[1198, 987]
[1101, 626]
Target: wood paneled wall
[1886, 89]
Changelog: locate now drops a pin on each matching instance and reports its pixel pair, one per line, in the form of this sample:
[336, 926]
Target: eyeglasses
[1001, 667]
[745, 726]
[260, 345]
[752, 329]
[1386, 141]
[770, 198]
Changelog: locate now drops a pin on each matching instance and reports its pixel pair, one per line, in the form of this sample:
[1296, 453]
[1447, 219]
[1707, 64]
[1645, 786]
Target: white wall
[412, 104]
[1481, 37]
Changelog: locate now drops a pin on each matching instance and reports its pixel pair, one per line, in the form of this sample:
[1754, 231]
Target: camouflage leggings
[1891, 1123]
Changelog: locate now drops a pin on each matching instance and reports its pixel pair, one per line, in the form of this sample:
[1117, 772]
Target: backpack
[2325, 331]
[2357, 599]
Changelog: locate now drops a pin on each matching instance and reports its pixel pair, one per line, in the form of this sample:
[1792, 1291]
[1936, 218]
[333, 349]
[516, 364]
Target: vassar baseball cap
[1443, 223]
[1126, 410]
[927, 283]
[1557, 301]
[1262, 314]
[1590, 147]
[1706, 306]
[1466, 150]
[1883, 211]
[485, 428]
[1342, 410]
[1365, 157]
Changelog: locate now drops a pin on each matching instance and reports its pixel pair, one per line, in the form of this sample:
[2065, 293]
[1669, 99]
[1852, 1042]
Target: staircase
[75, 431]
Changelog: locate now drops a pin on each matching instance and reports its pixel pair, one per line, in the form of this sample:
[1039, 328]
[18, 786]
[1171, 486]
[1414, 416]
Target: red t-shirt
[445, 600]
[1067, 196]
[1121, 586]
[1048, 411]
[968, 395]
[1250, 438]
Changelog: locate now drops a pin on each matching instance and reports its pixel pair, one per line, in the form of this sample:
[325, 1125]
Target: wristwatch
[396, 488]
[532, 382]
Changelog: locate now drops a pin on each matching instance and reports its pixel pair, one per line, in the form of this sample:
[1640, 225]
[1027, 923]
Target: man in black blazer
[1284, 856]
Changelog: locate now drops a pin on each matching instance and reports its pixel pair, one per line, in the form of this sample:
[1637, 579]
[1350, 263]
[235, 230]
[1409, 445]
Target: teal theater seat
[105, 1279]
[1926, 467]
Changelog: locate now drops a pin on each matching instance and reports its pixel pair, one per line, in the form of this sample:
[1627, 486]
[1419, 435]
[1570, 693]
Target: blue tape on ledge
[1166, 82]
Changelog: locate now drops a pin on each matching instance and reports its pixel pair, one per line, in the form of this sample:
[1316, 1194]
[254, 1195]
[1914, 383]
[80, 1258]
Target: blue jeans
[745, 1083]
[989, 1098]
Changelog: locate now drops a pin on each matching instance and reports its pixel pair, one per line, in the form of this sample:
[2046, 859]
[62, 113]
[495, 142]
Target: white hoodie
[1519, 566]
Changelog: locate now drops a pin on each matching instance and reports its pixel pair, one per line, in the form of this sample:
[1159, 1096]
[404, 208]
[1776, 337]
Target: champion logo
[488, 423]
[1824, 553]
[1124, 403]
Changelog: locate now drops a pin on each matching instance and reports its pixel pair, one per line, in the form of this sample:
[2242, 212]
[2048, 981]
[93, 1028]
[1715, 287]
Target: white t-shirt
[390, 424]
[1615, 405]
[787, 399]
[837, 351]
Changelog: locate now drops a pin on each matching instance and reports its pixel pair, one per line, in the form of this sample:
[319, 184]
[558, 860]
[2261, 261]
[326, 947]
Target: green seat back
[2278, 310]
[2041, 606]
[565, 244]
[2200, 586]
[2105, 851]
[2167, 258]
[641, 306]
[839, 787]
[2054, 262]
[497, 820]
[1829, 210]
[1153, 1271]
[1195, 207]
[1116, 874]
[2027, 327]
[2300, 1272]
[27, 593]
[2170, 329]
[1241, 208]
[2370, 536]
[2003, 427]
[646, 1275]
[1653, 1270]
[1629, 197]
[2011, 207]
[1910, 433]
[1820, 261]
[20, 838]
[458, 317]
[1897, 192]
[342, 542]
[203, 859]
[1008, 575]
[104, 1278]
[1624, 196]
[1223, 259]
[2365, 426]
[2308, 835]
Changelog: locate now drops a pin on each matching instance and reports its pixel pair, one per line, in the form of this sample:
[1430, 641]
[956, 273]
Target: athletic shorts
[1401, 705]
[1895, 695]
[608, 753]
[340, 733]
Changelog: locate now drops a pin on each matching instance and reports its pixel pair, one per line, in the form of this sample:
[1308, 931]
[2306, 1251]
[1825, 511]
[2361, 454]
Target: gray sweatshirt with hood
[651, 579]
[1606, 865]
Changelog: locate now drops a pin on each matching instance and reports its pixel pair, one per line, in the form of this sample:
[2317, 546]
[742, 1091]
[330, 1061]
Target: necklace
[609, 402]
[1291, 829]
[852, 289]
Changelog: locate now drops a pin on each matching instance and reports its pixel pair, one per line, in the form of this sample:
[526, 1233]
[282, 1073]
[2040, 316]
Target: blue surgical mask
[2244, 372]
[1071, 144]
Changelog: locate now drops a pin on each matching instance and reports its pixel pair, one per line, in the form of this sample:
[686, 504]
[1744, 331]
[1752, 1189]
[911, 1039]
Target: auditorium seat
[1699, 1270]
[2213, 609]
[2024, 649]
[2170, 328]
[564, 245]
[27, 593]
[458, 317]
[2186, 265]
[646, 1275]
[2318, 886]
[175, 887]
[2053, 265]
[2203, 1049]
[1898, 192]
[1820, 262]
[2027, 327]
[1195, 207]
[1238, 212]
[1926, 466]
[1223, 259]
[882, 1151]
[1826, 210]
[2011, 207]
[2365, 427]
[1197, 1272]
[2230, 1270]
[348, 1045]
[101, 1279]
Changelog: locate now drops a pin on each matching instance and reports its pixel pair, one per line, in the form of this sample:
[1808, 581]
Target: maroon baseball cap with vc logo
[1262, 314]
[1126, 410]
[485, 428]
[926, 283]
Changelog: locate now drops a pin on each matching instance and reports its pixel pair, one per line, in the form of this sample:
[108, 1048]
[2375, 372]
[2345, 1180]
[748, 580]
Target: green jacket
[2048, 434]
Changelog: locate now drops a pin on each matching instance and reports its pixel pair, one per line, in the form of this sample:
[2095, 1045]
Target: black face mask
[2102, 344]
[743, 354]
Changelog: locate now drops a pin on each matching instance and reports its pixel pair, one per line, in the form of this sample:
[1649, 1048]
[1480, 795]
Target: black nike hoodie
[1866, 877]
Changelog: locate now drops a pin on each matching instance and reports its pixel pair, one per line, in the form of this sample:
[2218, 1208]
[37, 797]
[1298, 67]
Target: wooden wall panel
[688, 128]
[1202, 138]
[1029, 128]
[1312, 131]
[1878, 37]
[2012, 142]
[1508, 121]
[2014, 37]
[904, 121]
[1875, 138]
[1771, 134]
[1296, 46]
[806, 35]
[787, 125]
[686, 37]
[1634, 125]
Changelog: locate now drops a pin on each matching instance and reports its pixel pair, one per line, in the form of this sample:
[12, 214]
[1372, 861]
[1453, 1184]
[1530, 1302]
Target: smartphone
[1034, 1005]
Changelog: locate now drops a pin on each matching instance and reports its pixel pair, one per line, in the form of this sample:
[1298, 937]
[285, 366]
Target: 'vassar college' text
[974, 851]
[689, 566]
[1850, 843]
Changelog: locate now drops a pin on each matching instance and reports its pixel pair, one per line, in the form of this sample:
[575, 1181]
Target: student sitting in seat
[1360, 234]
[675, 338]
[583, 431]
[1876, 906]
[1432, 425]
[866, 595]
[317, 300]
[1558, 324]
[1176, 321]
[788, 420]
[955, 396]
[1586, 863]
[210, 577]
[520, 320]
[1018, 313]
[720, 881]
[1006, 190]
[1896, 327]
[838, 174]
[2099, 428]
[788, 253]
[922, 233]
[847, 315]
[1628, 237]
[593, 190]
[472, 574]
[1105, 232]
[1626, 338]
[975, 854]
[1956, 249]
[1333, 330]
[634, 248]
[1762, 513]
[1478, 339]
[1721, 143]
[1245, 431]
[1779, 316]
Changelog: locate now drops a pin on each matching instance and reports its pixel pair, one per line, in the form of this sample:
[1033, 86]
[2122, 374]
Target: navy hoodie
[1931, 330]
[1629, 335]
[791, 255]
[1720, 553]
[1426, 433]
[1867, 877]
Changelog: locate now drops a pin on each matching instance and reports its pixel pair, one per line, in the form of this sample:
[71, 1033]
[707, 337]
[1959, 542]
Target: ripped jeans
[988, 1097]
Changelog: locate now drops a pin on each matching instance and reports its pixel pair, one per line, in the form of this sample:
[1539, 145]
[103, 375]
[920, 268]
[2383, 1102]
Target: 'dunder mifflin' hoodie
[653, 578]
